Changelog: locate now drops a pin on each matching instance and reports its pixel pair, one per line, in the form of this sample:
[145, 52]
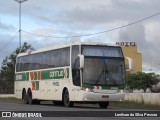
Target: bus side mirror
[81, 57]
[130, 63]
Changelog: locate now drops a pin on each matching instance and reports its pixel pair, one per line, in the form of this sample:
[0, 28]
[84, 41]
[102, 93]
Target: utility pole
[20, 2]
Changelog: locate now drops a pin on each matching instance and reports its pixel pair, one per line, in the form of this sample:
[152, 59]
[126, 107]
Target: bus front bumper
[93, 97]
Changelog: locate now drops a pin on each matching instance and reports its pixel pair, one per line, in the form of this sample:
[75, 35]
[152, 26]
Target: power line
[8, 41]
[116, 28]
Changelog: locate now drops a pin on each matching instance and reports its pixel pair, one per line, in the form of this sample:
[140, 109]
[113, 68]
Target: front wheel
[103, 104]
[66, 101]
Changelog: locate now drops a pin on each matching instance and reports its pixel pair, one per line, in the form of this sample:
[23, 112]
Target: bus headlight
[88, 90]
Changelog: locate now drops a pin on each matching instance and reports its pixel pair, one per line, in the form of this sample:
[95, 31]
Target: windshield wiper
[107, 76]
[104, 72]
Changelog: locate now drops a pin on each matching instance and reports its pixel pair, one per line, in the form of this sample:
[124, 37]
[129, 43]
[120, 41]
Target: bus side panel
[19, 86]
[52, 90]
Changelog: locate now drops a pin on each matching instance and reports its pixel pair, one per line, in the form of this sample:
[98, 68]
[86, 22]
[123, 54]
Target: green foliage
[141, 80]
[8, 69]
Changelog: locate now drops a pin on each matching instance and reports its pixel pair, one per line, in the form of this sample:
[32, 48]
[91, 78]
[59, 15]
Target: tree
[141, 80]
[8, 69]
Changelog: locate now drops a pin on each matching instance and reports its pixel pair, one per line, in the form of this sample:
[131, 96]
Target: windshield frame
[111, 58]
[102, 47]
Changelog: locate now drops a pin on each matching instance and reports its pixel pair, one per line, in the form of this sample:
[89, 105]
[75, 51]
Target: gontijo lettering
[56, 74]
[18, 77]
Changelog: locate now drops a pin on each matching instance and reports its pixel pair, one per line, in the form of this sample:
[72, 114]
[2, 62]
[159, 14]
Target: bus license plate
[105, 96]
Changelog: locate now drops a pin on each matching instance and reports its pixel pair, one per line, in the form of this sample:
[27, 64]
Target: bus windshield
[103, 66]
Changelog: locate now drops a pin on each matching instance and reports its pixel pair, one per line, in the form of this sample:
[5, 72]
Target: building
[130, 51]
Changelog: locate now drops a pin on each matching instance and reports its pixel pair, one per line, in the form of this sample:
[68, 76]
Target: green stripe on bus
[45, 74]
[21, 77]
[55, 74]
[27, 76]
[37, 85]
[35, 75]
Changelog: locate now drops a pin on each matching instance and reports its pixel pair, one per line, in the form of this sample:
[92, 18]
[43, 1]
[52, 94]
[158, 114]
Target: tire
[103, 104]
[29, 97]
[66, 101]
[25, 98]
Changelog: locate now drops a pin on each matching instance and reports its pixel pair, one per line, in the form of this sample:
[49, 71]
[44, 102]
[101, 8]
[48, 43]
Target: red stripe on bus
[39, 75]
[32, 75]
[33, 86]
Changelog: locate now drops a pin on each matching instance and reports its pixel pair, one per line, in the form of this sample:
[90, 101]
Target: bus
[71, 73]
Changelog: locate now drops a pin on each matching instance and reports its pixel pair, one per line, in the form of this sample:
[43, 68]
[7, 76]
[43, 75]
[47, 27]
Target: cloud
[79, 17]
[147, 39]
[7, 46]
[94, 13]
[6, 27]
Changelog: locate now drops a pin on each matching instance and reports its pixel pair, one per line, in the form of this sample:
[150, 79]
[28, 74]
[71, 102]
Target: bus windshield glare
[103, 65]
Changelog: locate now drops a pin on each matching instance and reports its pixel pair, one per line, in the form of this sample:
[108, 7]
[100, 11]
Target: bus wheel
[103, 104]
[29, 97]
[67, 102]
[25, 97]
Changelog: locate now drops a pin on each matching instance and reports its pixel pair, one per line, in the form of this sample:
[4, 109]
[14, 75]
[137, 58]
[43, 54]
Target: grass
[123, 104]
[10, 99]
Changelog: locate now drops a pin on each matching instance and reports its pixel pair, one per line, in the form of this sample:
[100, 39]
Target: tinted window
[49, 59]
[75, 52]
[64, 57]
[105, 51]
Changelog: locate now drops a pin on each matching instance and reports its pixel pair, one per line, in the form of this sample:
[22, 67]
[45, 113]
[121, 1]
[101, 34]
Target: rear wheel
[24, 97]
[29, 97]
[103, 104]
[66, 100]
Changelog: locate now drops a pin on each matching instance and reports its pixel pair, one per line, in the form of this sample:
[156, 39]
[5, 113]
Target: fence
[146, 98]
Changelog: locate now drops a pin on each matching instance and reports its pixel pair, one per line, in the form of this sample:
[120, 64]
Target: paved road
[93, 112]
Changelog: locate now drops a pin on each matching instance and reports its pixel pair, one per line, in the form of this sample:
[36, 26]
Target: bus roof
[63, 46]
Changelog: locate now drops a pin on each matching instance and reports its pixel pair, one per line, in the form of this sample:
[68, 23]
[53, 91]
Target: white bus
[70, 73]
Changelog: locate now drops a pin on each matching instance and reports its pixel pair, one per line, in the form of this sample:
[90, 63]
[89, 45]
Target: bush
[141, 80]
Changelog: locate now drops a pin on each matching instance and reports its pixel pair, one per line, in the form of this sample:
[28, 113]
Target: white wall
[6, 95]
[147, 98]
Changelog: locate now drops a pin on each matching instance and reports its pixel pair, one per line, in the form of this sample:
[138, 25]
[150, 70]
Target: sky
[62, 18]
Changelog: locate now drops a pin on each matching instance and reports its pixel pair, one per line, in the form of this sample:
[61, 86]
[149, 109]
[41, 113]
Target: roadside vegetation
[141, 80]
[10, 99]
[7, 69]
